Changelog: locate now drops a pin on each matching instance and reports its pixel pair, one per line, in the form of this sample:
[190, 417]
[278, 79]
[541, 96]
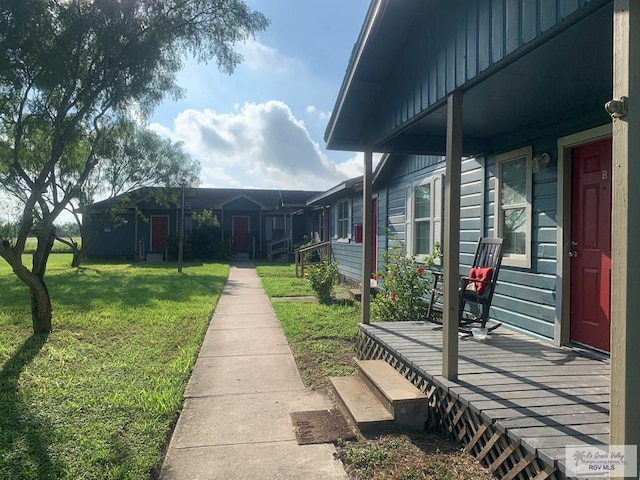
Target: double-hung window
[513, 206]
[424, 216]
[343, 220]
[422, 220]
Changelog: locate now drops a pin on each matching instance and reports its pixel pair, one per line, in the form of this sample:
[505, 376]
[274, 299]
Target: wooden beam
[325, 224]
[452, 237]
[365, 305]
[625, 300]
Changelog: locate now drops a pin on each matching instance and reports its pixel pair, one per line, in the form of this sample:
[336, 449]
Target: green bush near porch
[405, 285]
[98, 398]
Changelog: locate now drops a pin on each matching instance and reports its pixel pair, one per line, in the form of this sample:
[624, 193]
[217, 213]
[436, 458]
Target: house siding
[349, 257]
[392, 196]
[348, 254]
[450, 48]
[121, 241]
[524, 298]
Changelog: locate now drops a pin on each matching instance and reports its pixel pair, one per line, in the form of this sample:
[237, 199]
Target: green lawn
[58, 247]
[98, 397]
[321, 336]
[279, 280]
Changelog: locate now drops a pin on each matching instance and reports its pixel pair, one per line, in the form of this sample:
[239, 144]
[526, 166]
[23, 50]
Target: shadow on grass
[341, 302]
[132, 290]
[24, 439]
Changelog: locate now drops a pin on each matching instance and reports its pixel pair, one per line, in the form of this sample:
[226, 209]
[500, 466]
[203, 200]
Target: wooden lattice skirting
[504, 457]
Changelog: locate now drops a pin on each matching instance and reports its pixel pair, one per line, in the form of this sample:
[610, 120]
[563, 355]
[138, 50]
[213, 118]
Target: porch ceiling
[567, 77]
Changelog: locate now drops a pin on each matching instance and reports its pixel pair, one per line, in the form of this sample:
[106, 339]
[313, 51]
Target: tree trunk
[41, 310]
[76, 260]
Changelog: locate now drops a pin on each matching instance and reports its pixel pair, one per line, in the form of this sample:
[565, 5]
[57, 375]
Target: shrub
[204, 241]
[405, 285]
[323, 277]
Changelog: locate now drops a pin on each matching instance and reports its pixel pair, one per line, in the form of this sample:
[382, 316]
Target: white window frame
[515, 260]
[435, 183]
[348, 220]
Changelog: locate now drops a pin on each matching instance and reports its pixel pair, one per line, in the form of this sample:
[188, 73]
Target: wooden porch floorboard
[541, 396]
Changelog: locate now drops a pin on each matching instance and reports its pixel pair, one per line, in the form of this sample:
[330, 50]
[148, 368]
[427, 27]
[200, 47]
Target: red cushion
[481, 278]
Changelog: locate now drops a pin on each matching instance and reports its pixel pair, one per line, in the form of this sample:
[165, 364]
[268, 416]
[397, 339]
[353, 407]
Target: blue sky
[263, 126]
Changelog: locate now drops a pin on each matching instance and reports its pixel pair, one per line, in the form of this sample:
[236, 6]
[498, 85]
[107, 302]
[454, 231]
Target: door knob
[573, 254]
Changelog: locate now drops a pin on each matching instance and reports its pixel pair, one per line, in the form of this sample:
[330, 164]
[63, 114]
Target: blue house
[257, 223]
[500, 105]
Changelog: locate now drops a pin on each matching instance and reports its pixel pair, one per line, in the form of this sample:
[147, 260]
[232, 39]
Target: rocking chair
[476, 289]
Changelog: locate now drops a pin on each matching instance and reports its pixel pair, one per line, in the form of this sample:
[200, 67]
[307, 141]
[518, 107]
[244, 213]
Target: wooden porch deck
[518, 401]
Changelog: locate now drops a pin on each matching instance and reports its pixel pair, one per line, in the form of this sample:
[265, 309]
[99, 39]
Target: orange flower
[420, 270]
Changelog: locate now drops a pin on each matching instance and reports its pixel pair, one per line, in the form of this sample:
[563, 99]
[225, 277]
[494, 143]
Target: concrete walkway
[235, 421]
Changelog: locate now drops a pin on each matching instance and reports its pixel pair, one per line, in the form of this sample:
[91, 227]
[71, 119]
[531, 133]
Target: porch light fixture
[540, 162]
[617, 108]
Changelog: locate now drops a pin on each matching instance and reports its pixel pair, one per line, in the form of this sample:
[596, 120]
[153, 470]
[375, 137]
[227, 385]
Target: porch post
[625, 301]
[366, 237]
[451, 264]
[325, 224]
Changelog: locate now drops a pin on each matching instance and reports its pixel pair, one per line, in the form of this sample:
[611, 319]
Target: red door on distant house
[159, 232]
[591, 245]
[241, 234]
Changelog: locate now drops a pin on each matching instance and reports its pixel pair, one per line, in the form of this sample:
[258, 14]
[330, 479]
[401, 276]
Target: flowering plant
[404, 286]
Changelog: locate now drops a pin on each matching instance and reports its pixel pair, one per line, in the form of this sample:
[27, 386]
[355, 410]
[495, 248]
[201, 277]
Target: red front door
[591, 245]
[159, 232]
[241, 234]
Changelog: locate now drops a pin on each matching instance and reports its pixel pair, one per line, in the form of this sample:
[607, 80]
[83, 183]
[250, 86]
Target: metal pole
[181, 234]
[365, 299]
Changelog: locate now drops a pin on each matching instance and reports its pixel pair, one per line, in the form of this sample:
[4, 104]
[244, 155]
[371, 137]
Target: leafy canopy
[69, 70]
[67, 67]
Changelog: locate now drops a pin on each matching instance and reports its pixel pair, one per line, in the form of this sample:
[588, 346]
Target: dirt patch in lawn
[318, 360]
[414, 456]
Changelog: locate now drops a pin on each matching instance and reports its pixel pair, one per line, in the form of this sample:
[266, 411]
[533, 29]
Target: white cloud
[259, 145]
[313, 110]
[262, 58]
[355, 165]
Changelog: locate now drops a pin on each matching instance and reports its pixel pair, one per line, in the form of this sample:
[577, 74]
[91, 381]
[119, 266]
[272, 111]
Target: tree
[68, 70]
[130, 157]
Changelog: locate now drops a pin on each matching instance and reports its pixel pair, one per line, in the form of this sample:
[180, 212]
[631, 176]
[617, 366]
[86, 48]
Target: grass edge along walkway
[321, 337]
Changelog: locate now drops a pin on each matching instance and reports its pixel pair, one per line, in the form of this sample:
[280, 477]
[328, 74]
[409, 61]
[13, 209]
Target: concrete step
[408, 405]
[366, 411]
[155, 257]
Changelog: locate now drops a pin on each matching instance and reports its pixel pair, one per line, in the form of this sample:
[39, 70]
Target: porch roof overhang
[340, 190]
[563, 76]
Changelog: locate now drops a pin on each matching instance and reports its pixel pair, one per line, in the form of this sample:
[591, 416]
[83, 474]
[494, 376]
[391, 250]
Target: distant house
[251, 220]
[512, 93]
[343, 203]
[397, 182]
